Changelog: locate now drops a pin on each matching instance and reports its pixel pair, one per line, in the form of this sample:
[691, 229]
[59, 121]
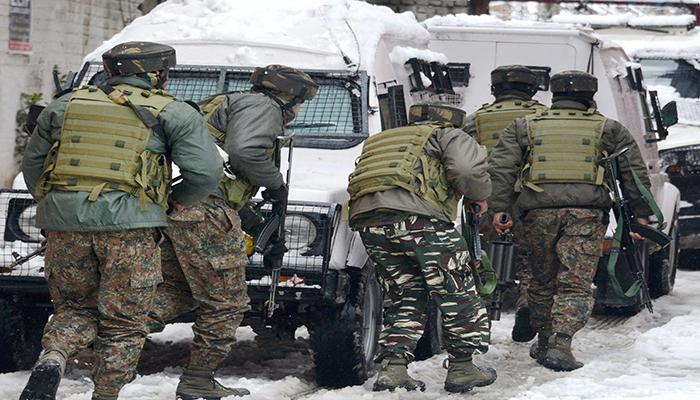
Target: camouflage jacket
[509, 156]
[188, 144]
[467, 172]
[252, 122]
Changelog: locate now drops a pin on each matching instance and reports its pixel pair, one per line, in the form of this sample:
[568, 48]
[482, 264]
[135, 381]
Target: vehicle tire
[430, 343]
[689, 259]
[638, 304]
[21, 328]
[344, 339]
[664, 263]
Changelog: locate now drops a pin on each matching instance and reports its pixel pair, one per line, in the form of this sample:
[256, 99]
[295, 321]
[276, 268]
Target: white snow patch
[465, 20]
[399, 55]
[253, 33]
[624, 19]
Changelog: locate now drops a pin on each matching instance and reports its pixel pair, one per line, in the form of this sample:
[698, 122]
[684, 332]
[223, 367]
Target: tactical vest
[238, 191]
[394, 159]
[492, 119]
[564, 148]
[103, 148]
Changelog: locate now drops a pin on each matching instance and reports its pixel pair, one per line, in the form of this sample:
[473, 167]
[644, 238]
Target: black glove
[275, 195]
[251, 222]
[276, 248]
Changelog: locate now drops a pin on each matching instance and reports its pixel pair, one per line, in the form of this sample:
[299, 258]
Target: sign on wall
[20, 26]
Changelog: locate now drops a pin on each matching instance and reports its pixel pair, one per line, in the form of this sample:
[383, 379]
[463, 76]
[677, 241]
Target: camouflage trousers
[417, 260]
[203, 262]
[567, 244]
[102, 285]
[522, 272]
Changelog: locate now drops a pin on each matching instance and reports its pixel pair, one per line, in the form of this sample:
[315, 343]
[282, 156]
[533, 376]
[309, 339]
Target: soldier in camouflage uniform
[203, 253]
[404, 194]
[98, 162]
[513, 87]
[566, 205]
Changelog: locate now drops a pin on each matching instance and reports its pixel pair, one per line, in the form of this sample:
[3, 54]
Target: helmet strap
[287, 108]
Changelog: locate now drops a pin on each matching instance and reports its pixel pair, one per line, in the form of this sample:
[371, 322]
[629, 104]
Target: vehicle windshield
[678, 74]
[334, 119]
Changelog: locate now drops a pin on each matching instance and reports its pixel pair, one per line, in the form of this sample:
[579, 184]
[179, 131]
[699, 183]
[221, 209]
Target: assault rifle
[622, 241]
[502, 253]
[482, 264]
[19, 260]
[274, 227]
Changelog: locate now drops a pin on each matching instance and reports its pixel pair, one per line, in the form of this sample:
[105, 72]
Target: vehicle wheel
[689, 259]
[21, 329]
[638, 304]
[664, 264]
[344, 339]
[430, 343]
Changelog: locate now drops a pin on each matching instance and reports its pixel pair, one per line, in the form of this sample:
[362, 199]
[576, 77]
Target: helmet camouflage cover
[513, 74]
[437, 113]
[572, 82]
[292, 82]
[138, 57]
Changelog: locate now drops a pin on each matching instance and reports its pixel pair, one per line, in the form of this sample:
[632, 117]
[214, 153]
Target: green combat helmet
[573, 82]
[437, 113]
[294, 85]
[138, 57]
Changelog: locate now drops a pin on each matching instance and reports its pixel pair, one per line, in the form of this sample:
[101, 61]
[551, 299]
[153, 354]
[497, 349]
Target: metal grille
[20, 236]
[335, 119]
[308, 228]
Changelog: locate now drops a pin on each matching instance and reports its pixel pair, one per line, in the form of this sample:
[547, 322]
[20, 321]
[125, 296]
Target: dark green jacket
[511, 153]
[252, 122]
[188, 144]
[465, 167]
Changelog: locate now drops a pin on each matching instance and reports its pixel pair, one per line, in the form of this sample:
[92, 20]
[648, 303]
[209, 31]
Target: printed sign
[20, 26]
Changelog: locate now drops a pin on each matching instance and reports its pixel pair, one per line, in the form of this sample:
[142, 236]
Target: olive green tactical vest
[103, 148]
[492, 119]
[564, 148]
[238, 191]
[395, 159]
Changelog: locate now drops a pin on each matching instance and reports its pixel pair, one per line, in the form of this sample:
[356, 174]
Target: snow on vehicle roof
[487, 21]
[625, 19]
[254, 33]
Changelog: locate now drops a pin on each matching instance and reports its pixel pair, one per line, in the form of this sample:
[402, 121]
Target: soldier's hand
[175, 205]
[275, 248]
[483, 206]
[499, 224]
[635, 235]
[275, 195]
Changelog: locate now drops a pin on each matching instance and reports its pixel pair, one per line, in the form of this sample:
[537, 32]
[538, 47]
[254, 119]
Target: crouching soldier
[99, 164]
[203, 254]
[566, 203]
[403, 198]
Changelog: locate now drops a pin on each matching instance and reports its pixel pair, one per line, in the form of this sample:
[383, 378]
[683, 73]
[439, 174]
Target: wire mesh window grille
[19, 234]
[335, 119]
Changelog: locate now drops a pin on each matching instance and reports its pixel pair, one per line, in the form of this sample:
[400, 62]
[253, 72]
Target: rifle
[470, 231]
[274, 228]
[502, 253]
[622, 241]
[19, 260]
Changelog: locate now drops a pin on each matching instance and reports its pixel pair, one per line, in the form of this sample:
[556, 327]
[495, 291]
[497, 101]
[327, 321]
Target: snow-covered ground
[649, 356]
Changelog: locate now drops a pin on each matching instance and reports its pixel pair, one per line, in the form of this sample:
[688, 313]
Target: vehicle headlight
[670, 158]
[692, 157]
[301, 231]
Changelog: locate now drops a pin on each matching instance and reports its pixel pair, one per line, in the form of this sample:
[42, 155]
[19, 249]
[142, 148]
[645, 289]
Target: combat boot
[463, 375]
[522, 331]
[394, 374]
[539, 349]
[46, 376]
[199, 383]
[559, 356]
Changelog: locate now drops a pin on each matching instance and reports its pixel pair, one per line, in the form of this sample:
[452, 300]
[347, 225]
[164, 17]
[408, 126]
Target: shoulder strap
[147, 117]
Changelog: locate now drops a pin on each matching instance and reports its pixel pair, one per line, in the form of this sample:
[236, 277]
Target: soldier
[513, 87]
[566, 205]
[403, 199]
[98, 162]
[203, 253]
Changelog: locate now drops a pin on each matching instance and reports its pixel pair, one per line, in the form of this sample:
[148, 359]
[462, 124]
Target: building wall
[424, 9]
[62, 32]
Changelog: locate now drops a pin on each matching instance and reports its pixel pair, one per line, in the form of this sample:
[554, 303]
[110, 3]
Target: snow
[625, 19]
[465, 20]
[399, 55]
[302, 34]
[648, 356]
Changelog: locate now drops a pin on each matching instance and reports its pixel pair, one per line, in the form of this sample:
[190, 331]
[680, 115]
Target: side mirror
[669, 114]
